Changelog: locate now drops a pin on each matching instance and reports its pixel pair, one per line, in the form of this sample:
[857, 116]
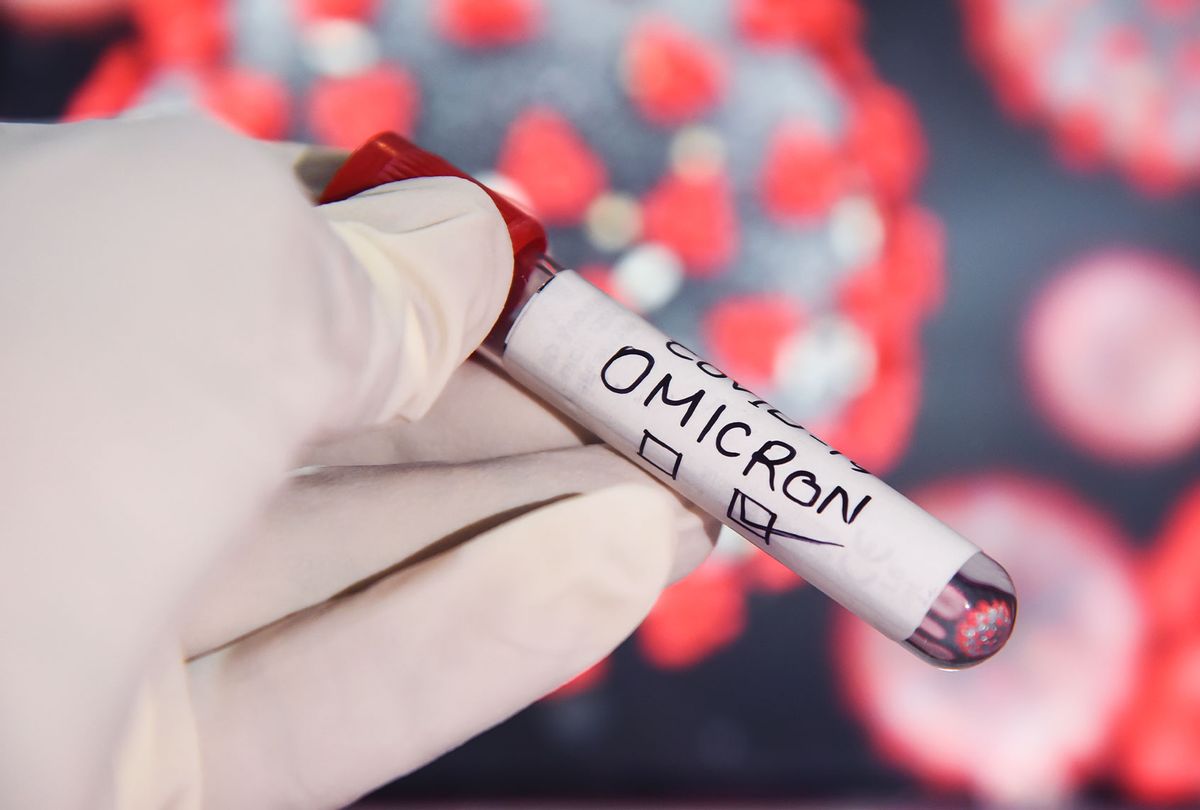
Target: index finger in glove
[332, 531]
[334, 701]
[481, 414]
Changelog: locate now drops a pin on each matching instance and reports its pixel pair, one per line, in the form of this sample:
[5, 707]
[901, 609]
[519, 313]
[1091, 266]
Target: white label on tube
[734, 455]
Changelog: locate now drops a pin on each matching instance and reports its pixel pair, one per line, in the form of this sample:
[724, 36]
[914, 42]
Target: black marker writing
[632, 370]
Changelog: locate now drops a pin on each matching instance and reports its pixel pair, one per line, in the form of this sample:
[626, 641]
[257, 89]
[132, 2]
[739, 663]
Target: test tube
[723, 447]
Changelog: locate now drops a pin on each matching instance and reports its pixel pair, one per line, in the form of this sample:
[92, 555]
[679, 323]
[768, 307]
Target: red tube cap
[389, 157]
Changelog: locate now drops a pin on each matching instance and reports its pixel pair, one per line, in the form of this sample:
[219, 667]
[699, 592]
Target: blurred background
[959, 240]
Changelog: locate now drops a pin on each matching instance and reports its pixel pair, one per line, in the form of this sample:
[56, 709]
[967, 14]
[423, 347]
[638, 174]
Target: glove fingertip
[611, 551]
[440, 261]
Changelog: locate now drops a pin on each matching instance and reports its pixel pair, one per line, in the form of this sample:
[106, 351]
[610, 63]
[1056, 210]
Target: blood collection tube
[723, 447]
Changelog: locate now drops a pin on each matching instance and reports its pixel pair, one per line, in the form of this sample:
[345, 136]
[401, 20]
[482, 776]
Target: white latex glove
[183, 624]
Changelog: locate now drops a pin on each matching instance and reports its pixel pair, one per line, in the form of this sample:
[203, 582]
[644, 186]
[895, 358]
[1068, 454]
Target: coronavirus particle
[1112, 352]
[1113, 81]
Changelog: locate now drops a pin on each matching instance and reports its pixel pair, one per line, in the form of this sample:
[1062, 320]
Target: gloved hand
[185, 622]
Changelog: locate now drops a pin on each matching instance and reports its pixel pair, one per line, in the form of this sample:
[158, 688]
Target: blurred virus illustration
[1112, 355]
[1031, 725]
[1114, 81]
[733, 170]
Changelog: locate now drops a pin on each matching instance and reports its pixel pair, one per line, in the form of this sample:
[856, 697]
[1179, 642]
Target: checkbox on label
[660, 455]
[751, 515]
